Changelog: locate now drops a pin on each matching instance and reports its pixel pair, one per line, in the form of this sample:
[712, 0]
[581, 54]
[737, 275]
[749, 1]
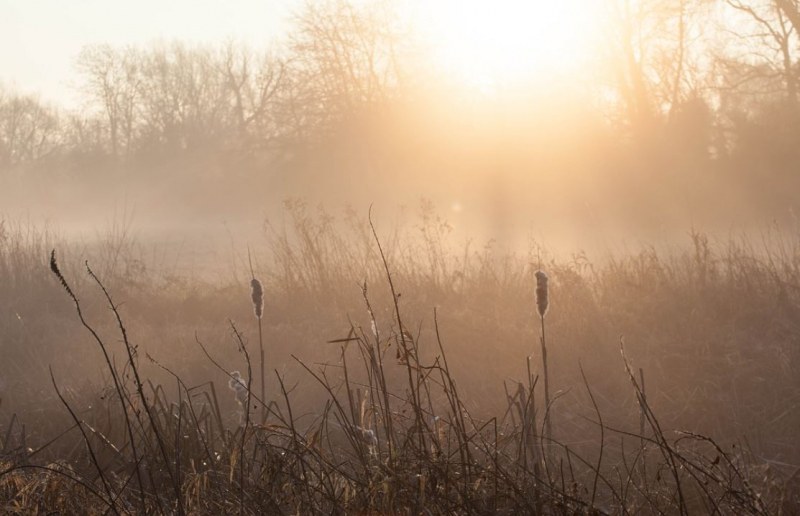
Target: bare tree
[184, 97]
[657, 56]
[112, 80]
[790, 9]
[256, 84]
[345, 59]
[768, 39]
[29, 130]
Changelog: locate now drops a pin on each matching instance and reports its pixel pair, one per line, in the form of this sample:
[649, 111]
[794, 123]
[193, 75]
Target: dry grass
[378, 402]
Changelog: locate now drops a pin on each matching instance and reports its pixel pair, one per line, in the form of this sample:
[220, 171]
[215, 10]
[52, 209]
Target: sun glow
[486, 45]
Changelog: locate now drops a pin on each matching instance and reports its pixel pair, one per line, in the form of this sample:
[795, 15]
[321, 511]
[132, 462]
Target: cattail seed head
[542, 298]
[257, 295]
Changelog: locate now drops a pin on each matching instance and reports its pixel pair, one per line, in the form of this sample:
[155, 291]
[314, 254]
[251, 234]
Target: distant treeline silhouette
[683, 95]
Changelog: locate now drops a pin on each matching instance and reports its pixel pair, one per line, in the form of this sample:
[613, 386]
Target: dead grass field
[406, 384]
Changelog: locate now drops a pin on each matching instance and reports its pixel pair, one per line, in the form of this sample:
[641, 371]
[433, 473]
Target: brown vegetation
[401, 384]
[379, 367]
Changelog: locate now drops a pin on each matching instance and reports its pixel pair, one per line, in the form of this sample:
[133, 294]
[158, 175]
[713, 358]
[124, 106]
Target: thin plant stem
[549, 422]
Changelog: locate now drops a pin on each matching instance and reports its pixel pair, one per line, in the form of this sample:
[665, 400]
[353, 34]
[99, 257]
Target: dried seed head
[239, 387]
[257, 294]
[57, 272]
[542, 300]
[367, 435]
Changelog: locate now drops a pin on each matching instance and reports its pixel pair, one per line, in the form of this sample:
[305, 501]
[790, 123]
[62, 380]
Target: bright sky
[487, 42]
[40, 39]
[480, 42]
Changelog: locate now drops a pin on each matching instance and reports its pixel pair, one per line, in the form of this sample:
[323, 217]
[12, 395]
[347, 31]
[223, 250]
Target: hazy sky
[478, 41]
[40, 39]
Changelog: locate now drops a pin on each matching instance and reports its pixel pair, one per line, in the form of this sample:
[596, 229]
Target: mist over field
[397, 256]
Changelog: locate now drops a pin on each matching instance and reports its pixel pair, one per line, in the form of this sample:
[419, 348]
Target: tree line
[709, 79]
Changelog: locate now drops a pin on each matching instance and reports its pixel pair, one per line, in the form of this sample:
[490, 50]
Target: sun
[486, 45]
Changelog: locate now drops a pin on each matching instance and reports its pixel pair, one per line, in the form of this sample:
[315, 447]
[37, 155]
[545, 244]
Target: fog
[692, 132]
[640, 155]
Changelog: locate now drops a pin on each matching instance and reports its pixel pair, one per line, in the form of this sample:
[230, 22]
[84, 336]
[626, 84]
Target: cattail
[257, 294]
[542, 300]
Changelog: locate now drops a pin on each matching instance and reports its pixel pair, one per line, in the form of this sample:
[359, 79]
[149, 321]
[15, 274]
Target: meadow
[349, 365]
[596, 312]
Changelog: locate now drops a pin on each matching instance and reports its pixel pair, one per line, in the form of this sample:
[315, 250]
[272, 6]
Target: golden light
[486, 45]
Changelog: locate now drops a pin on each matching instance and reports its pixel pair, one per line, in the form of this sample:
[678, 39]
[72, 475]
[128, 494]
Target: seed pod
[367, 435]
[257, 295]
[239, 387]
[542, 300]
